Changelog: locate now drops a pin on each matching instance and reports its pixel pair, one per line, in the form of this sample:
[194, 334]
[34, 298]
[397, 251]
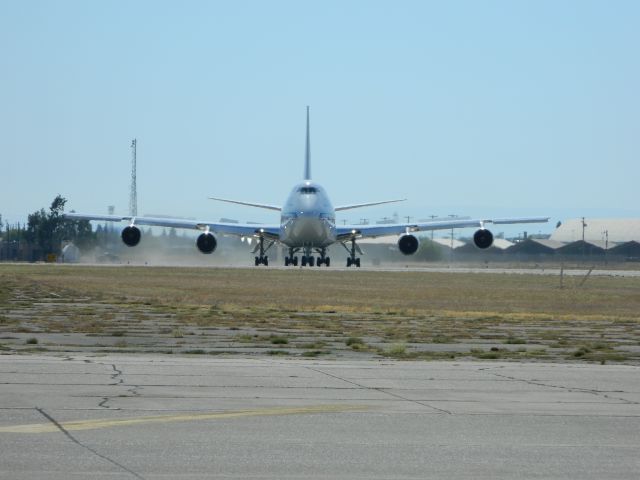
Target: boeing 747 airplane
[307, 226]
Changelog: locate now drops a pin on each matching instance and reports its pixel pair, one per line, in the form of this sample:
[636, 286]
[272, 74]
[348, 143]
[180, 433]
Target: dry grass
[207, 290]
[185, 309]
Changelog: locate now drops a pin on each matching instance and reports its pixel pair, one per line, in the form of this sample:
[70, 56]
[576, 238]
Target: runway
[156, 417]
[541, 269]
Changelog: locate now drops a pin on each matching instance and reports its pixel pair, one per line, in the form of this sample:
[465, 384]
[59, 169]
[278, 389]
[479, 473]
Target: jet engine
[131, 235]
[206, 243]
[483, 238]
[408, 244]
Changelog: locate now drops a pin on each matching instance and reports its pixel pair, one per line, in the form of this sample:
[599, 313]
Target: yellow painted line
[189, 417]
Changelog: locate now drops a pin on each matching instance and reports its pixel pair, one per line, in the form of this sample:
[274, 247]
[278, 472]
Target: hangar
[535, 247]
[582, 248]
[611, 230]
[629, 251]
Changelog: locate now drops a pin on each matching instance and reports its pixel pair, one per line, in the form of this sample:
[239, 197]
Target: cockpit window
[308, 190]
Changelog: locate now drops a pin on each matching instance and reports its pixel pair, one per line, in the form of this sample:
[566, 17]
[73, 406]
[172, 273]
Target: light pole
[584, 246]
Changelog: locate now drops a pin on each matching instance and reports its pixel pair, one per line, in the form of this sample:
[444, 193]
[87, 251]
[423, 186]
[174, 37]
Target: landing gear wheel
[357, 262]
[348, 262]
[295, 261]
[327, 261]
[311, 261]
[304, 261]
[286, 261]
[257, 261]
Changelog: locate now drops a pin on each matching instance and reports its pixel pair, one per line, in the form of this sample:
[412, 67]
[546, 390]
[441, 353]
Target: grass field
[308, 312]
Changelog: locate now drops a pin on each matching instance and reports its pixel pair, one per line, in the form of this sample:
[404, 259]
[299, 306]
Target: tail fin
[307, 159]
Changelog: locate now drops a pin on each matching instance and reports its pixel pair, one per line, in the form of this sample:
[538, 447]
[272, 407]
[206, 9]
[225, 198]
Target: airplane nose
[305, 229]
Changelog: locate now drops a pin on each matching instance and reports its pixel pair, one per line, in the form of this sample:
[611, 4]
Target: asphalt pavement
[160, 417]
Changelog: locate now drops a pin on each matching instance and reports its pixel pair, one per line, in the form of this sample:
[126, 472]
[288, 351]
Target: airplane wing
[248, 204]
[364, 231]
[238, 229]
[370, 204]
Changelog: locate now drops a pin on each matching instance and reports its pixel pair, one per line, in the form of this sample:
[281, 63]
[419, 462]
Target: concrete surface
[156, 417]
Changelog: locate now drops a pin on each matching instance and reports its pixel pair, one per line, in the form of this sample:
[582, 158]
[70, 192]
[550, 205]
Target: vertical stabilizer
[307, 156]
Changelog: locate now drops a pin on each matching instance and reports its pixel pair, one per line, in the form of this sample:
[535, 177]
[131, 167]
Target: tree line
[44, 234]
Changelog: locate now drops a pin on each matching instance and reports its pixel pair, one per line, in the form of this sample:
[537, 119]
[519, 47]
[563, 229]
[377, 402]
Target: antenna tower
[133, 197]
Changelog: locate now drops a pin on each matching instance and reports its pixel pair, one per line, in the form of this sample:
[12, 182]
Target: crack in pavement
[118, 373]
[381, 390]
[86, 447]
[116, 376]
[592, 391]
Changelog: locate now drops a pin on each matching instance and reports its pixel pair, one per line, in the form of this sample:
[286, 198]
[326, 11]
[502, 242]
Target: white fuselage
[308, 218]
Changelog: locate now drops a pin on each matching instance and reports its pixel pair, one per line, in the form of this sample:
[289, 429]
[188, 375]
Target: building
[605, 230]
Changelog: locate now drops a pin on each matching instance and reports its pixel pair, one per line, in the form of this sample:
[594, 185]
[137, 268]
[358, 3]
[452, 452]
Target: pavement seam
[86, 447]
[381, 390]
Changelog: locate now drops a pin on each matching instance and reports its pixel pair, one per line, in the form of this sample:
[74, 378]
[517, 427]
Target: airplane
[307, 226]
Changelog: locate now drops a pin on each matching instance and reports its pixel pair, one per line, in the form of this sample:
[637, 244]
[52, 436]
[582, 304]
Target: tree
[48, 230]
[38, 232]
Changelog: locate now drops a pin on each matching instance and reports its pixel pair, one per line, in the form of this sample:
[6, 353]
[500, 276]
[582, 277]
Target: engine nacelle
[483, 238]
[408, 244]
[131, 235]
[206, 243]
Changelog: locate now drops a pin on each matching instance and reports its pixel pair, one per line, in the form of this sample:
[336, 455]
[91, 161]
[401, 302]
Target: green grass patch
[313, 345]
[277, 352]
[442, 339]
[277, 340]
[397, 350]
[486, 355]
[315, 353]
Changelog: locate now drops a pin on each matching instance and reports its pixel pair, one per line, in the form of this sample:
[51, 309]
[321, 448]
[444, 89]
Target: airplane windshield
[308, 190]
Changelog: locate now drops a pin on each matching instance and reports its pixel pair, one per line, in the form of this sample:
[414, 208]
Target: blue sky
[489, 108]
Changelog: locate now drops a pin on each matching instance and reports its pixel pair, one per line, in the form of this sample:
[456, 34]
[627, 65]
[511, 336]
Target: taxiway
[154, 417]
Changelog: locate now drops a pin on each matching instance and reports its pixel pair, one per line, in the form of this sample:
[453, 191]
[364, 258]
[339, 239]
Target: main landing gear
[261, 258]
[307, 258]
[352, 259]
